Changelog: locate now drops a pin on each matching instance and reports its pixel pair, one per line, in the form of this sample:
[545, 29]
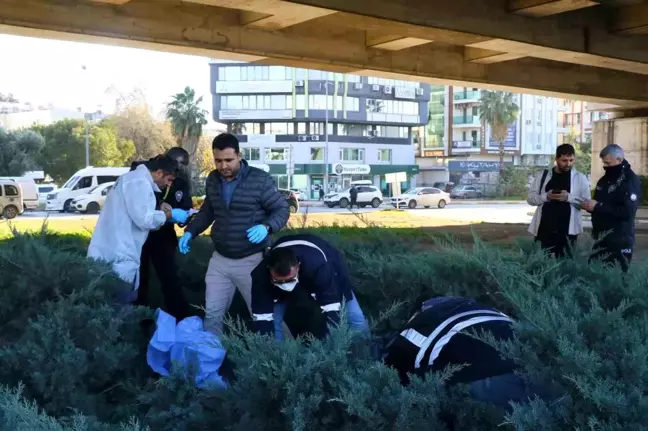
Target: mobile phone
[556, 191]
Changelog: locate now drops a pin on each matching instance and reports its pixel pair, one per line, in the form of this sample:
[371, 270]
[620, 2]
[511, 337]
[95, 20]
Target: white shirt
[580, 191]
[124, 223]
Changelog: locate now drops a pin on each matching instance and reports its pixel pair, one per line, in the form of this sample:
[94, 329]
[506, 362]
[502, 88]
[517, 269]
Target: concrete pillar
[628, 130]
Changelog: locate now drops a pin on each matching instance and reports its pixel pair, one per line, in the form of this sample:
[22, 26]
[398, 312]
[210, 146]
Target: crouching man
[440, 334]
[303, 262]
[129, 214]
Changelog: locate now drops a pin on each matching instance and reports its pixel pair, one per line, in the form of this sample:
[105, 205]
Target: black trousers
[354, 201]
[159, 250]
[557, 244]
[611, 255]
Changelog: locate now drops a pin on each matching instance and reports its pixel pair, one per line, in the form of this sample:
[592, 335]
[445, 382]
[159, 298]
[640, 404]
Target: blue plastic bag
[186, 345]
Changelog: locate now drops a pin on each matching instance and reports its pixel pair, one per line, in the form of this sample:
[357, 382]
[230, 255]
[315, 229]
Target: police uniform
[617, 194]
[160, 249]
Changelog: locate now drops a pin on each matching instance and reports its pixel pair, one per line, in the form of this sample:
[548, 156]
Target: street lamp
[86, 119]
[326, 139]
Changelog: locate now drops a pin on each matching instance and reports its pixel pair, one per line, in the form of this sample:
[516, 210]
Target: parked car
[466, 192]
[367, 195]
[422, 196]
[30, 196]
[80, 184]
[300, 194]
[444, 186]
[44, 190]
[291, 197]
[93, 201]
[11, 199]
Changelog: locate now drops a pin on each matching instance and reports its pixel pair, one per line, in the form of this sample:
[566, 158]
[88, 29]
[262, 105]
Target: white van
[29, 191]
[81, 183]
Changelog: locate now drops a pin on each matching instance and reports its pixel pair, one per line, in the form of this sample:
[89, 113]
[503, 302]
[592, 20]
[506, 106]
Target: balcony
[467, 96]
[467, 120]
[465, 145]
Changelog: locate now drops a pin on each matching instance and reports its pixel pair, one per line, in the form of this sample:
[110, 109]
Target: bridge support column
[628, 129]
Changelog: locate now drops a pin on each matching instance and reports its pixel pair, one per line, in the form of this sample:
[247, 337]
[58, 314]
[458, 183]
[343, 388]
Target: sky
[79, 75]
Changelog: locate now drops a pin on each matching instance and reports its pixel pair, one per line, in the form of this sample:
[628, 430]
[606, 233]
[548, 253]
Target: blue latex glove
[179, 216]
[257, 234]
[183, 244]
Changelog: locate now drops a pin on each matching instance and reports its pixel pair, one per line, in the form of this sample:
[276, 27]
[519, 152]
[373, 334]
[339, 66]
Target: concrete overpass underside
[594, 50]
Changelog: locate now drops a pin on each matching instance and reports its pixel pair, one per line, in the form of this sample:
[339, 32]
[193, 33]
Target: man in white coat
[558, 194]
[130, 212]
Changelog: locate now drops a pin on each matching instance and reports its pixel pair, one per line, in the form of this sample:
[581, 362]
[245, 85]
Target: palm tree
[498, 110]
[238, 128]
[187, 120]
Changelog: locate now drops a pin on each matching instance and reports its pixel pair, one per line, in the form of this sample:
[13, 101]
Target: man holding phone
[558, 194]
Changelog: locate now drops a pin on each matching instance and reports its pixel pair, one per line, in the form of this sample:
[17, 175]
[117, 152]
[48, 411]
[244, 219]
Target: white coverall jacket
[124, 223]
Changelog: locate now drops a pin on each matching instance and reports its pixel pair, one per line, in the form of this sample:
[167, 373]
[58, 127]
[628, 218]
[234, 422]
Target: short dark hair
[281, 260]
[226, 140]
[565, 150]
[163, 163]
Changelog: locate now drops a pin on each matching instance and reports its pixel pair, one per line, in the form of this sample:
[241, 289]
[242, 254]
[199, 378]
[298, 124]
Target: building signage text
[405, 93]
[474, 166]
[343, 169]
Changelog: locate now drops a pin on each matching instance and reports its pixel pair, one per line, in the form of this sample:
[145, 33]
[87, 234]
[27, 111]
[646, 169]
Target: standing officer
[160, 246]
[303, 262]
[242, 206]
[614, 208]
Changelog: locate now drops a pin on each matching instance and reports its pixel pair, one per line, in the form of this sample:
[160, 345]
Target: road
[467, 213]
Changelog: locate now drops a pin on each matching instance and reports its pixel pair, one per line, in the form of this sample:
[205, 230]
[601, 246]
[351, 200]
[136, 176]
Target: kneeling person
[439, 335]
[303, 262]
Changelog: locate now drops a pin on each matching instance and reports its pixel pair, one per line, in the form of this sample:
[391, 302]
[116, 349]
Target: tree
[187, 120]
[150, 137]
[64, 152]
[107, 148]
[8, 98]
[583, 150]
[499, 110]
[19, 152]
[238, 128]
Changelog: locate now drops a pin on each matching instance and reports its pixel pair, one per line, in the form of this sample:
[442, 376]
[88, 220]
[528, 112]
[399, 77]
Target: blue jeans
[355, 317]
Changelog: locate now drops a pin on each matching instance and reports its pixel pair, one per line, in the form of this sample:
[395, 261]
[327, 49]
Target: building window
[318, 128]
[317, 154]
[276, 154]
[301, 128]
[354, 78]
[353, 130]
[300, 101]
[251, 154]
[352, 154]
[392, 131]
[384, 155]
[256, 102]
[278, 129]
[392, 82]
[392, 107]
[352, 104]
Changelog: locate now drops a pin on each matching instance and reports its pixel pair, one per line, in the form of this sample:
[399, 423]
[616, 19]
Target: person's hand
[165, 207]
[562, 196]
[184, 243]
[589, 205]
[179, 216]
[257, 234]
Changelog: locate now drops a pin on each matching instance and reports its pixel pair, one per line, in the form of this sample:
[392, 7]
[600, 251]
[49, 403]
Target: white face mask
[288, 287]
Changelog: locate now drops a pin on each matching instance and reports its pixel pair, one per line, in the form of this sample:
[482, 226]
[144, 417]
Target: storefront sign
[405, 93]
[343, 169]
[511, 138]
[261, 166]
[397, 177]
[433, 153]
[255, 114]
[253, 87]
[261, 139]
[474, 166]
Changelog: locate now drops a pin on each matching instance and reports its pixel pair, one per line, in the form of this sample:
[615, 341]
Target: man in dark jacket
[160, 246]
[440, 334]
[353, 194]
[303, 262]
[614, 208]
[243, 206]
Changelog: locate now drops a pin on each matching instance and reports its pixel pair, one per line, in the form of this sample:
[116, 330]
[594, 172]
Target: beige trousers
[223, 277]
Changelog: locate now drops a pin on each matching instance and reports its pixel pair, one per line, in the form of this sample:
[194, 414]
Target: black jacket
[441, 335]
[255, 200]
[322, 273]
[618, 194]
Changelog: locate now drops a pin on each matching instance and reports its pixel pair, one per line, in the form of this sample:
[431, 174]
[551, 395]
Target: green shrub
[581, 330]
